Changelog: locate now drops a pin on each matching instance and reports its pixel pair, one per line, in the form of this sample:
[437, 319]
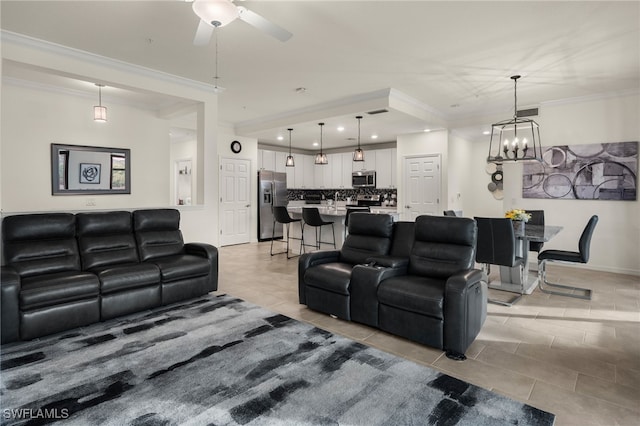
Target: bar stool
[281, 215]
[311, 217]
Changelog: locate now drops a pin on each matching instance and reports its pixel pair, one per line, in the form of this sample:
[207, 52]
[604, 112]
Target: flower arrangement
[518, 214]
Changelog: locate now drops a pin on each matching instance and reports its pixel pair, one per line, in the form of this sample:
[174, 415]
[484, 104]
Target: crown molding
[103, 61]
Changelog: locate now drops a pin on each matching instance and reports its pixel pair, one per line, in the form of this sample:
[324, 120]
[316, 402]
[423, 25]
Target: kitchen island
[335, 214]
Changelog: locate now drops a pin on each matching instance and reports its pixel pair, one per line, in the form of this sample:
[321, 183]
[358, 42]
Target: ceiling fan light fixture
[216, 13]
[358, 154]
[99, 111]
[321, 157]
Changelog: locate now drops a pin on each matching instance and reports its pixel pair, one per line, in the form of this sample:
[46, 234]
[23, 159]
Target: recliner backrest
[369, 235]
[106, 238]
[496, 241]
[36, 244]
[157, 233]
[443, 246]
[585, 239]
[402, 241]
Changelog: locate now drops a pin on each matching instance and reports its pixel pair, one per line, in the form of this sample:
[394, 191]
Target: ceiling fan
[218, 13]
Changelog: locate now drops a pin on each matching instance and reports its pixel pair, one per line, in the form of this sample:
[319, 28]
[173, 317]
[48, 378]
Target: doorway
[422, 176]
[235, 201]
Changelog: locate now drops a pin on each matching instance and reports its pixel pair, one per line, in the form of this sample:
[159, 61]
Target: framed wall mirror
[90, 170]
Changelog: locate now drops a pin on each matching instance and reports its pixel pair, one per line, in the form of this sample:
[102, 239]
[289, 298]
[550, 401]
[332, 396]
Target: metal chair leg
[487, 269]
[542, 279]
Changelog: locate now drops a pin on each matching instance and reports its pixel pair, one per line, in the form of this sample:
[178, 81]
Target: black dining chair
[281, 215]
[537, 218]
[311, 216]
[496, 245]
[363, 209]
[449, 213]
[581, 256]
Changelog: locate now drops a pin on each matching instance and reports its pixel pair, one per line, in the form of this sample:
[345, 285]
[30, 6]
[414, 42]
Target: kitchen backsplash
[343, 194]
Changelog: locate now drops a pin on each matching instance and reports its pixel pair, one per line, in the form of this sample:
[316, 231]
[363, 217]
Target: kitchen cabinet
[347, 168]
[281, 160]
[308, 175]
[335, 178]
[266, 159]
[322, 174]
[385, 167]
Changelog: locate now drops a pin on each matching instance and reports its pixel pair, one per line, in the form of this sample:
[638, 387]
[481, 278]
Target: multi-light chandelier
[516, 139]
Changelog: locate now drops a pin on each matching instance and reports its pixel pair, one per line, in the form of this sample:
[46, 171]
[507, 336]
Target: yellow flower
[518, 214]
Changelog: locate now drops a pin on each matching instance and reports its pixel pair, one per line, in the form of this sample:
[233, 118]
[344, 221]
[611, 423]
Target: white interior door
[422, 186]
[235, 201]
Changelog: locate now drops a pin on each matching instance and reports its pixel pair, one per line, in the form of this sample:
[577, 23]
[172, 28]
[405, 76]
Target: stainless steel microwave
[363, 179]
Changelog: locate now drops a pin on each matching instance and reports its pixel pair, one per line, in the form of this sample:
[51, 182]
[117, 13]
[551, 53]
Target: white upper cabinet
[281, 159]
[308, 172]
[347, 168]
[335, 178]
[266, 159]
[385, 170]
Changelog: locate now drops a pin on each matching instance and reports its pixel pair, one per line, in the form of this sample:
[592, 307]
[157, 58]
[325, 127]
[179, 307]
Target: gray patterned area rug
[222, 361]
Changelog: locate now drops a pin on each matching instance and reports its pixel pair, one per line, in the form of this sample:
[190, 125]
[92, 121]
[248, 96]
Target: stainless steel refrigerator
[272, 191]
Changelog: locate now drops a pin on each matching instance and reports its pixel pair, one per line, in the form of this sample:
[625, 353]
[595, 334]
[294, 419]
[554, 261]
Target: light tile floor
[576, 358]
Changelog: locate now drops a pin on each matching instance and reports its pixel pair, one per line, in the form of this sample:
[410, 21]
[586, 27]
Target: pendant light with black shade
[358, 154]
[321, 157]
[290, 161]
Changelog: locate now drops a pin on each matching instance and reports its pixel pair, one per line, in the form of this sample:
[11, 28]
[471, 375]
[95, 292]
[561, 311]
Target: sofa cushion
[58, 288]
[106, 238]
[421, 295]
[334, 277]
[173, 268]
[369, 235]
[122, 277]
[37, 244]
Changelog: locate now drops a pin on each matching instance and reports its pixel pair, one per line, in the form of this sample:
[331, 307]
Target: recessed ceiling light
[341, 128]
[486, 132]
[427, 130]
[280, 138]
[374, 136]
[315, 144]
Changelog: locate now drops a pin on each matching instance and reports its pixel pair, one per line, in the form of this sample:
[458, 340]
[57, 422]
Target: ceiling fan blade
[203, 34]
[261, 23]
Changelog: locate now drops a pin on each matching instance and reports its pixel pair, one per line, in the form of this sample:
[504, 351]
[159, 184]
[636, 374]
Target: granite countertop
[340, 210]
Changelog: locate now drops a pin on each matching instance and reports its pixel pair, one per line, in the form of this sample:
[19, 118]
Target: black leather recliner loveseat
[64, 270]
[414, 280]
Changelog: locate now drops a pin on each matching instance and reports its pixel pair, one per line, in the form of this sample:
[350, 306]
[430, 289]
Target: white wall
[146, 135]
[616, 242]
[33, 119]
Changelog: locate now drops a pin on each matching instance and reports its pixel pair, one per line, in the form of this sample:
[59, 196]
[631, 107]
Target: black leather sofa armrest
[10, 308]
[306, 261]
[363, 288]
[465, 309]
[389, 261]
[209, 252]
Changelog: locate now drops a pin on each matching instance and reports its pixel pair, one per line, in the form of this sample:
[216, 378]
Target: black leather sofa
[415, 280]
[62, 271]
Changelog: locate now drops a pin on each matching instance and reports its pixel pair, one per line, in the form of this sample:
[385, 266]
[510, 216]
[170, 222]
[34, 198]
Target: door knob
[407, 207]
[248, 205]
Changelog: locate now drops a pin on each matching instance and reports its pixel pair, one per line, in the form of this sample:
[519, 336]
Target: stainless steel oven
[363, 179]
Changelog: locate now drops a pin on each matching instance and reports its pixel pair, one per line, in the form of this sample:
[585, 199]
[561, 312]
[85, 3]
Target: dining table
[518, 279]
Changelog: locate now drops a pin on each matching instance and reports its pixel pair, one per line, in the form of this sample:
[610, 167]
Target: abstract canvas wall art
[606, 171]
